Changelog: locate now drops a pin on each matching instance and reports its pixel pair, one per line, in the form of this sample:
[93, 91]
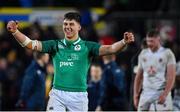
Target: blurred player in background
[32, 95]
[94, 86]
[155, 75]
[113, 95]
[71, 59]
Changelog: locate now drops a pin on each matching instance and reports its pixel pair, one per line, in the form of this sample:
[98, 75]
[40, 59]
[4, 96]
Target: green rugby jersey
[71, 62]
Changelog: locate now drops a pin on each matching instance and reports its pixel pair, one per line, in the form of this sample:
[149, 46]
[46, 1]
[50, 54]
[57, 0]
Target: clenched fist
[128, 37]
[12, 26]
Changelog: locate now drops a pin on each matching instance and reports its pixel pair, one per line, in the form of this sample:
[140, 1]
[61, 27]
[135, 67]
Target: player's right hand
[128, 37]
[12, 26]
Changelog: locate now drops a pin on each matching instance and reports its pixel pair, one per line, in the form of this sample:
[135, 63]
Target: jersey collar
[66, 42]
[158, 50]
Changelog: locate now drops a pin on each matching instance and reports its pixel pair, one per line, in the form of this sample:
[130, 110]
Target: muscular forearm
[137, 85]
[25, 41]
[21, 38]
[169, 85]
[112, 49]
[118, 46]
[170, 77]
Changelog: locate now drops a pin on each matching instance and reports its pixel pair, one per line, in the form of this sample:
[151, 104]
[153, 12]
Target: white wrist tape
[26, 42]
[15, 32]
[34, 44]
[123, 41]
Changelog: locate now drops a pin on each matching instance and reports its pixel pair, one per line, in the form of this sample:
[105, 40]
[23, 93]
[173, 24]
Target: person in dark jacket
[94, 88]
[113, 93]
[32, 95]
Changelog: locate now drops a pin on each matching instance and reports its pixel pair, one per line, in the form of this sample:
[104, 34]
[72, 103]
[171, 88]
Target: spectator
[32, 96]
[94, 86]
[113, 95]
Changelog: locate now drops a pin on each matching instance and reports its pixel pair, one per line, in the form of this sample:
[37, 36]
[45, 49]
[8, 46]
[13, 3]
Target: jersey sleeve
[49, 46]
[170, 57]
[93, 48]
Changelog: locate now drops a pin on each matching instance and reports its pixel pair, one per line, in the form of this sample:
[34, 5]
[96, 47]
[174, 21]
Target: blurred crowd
[122, 5]
[14, 61]
[102, 87]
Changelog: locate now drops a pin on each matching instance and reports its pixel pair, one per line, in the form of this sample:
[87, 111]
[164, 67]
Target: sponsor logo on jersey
[160, 60]
[77, 48]
[73, 57]
[66, 64]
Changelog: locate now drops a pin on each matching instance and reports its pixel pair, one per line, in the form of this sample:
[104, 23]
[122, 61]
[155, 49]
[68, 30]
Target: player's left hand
[128, 37]
[162, 98]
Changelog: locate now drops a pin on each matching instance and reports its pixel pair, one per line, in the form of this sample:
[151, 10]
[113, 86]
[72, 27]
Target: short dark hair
[96, 64]
[153, 33]
[73, 15]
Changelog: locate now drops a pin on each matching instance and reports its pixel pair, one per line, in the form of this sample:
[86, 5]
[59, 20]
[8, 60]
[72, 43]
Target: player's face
[153, 42]
[95, 72]
[71, 28]
[45, 58]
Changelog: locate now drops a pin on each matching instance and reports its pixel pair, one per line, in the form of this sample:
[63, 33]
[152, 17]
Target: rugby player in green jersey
[71, 59]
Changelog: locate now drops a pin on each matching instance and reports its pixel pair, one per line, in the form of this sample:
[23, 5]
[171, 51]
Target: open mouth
[68, 31]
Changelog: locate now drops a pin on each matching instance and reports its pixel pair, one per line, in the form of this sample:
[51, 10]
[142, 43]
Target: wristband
[15, 32]
[26, 42]
[123, 41]
[34, 44]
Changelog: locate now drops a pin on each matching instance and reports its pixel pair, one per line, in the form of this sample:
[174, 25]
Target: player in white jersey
[155, 77]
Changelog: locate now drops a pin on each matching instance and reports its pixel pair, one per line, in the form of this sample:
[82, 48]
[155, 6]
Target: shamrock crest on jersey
[77, 48]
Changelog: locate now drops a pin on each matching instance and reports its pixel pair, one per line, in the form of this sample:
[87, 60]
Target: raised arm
[118, 46]
[22, 39]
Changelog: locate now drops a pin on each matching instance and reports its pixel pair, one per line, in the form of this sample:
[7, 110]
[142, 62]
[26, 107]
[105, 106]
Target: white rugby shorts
[150, 102]
[67, 101]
